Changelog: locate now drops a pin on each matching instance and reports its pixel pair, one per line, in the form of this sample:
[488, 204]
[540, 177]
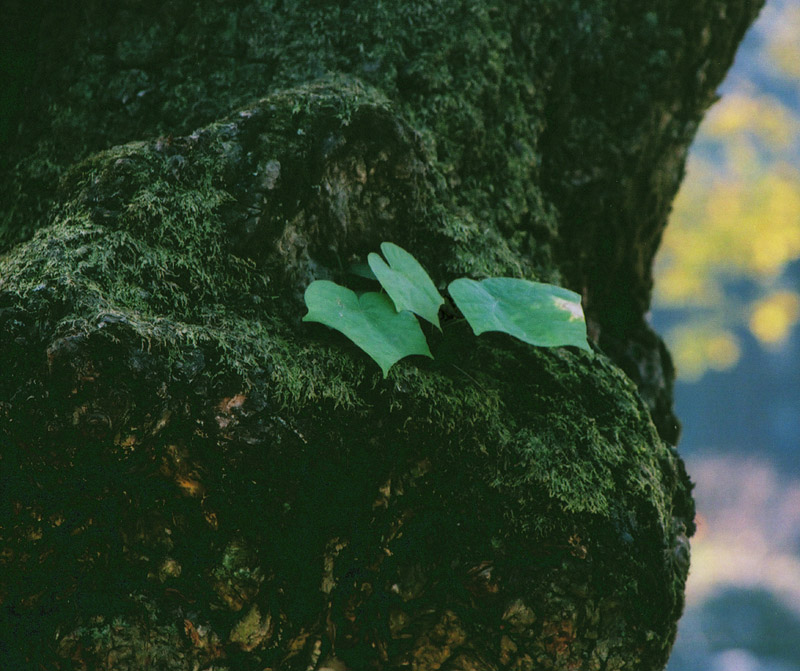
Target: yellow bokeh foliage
[783, 47]
[737, 216]
[699, 348]
[764, 117]
[773, 317]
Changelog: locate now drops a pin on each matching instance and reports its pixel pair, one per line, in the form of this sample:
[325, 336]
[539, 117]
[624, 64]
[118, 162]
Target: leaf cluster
[384, 325]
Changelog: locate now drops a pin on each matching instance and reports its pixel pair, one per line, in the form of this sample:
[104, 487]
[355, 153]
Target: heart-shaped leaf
[538, 314]
[370, 321]
[406, 282]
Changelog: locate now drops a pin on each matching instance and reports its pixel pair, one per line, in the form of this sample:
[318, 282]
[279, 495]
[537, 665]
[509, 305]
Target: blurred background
[727, 299]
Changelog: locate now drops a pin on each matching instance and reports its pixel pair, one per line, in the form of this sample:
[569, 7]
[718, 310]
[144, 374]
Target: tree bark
[194, 479]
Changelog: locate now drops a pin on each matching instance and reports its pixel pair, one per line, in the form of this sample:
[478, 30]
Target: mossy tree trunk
[193, 478]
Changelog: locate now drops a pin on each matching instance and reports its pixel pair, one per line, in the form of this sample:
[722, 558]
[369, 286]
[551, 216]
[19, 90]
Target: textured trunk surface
[192, 478]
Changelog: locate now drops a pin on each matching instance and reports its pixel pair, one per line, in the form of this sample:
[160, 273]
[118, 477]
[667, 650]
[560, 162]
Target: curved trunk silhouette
[193, 478]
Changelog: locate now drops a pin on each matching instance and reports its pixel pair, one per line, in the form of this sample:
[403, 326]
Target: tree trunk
[194, 479]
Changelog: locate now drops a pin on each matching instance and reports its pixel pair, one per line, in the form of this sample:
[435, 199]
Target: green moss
[204, 244]
[149, 230]
[168, 273]
[482, 142]
[147, 238]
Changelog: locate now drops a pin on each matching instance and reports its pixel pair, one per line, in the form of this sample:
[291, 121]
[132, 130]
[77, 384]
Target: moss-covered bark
[196, 479]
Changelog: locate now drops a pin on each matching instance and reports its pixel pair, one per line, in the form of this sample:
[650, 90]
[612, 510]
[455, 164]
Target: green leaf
[538, 314]
[406, 282]
[362, 270]
[370, 321]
